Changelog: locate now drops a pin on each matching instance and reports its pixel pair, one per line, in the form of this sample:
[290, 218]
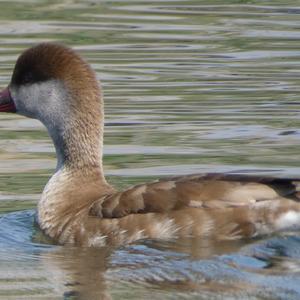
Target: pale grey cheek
[25, 99]
[41, 101]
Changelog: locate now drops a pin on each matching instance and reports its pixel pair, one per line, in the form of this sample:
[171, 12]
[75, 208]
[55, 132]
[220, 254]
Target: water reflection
[188, 268]
[106, 273]
[77, 272]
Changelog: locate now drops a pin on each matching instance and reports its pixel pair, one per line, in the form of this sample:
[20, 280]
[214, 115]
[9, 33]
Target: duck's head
[53, 84]
[49, 78]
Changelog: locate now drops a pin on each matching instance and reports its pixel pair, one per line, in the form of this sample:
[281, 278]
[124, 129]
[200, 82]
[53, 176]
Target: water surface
[190, 87]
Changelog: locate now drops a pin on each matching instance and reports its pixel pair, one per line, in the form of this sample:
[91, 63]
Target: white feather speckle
[288, 220]
[97, 241]
[165, 229]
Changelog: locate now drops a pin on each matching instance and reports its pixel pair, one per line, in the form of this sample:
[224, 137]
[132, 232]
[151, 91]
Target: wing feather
[216, 191]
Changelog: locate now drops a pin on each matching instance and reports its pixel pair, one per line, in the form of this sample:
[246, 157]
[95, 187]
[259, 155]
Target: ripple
[189, 87]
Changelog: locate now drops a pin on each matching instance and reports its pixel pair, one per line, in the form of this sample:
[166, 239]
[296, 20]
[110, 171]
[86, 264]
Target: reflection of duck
[76, 273]
[53, 84]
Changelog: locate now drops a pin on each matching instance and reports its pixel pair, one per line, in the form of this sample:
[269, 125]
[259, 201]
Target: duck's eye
[27, 78]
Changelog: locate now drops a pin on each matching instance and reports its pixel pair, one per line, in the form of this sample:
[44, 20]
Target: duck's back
[215, 191]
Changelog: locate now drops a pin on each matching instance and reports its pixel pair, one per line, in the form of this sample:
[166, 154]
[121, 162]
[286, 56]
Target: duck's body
[223, 207]
[53, 84]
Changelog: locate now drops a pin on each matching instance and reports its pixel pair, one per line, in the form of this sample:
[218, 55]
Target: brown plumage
[53, 84]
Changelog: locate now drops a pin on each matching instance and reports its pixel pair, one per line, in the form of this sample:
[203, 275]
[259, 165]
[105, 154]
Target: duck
[54, 84]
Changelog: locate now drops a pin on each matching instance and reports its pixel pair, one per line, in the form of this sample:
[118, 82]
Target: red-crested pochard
[55, 85]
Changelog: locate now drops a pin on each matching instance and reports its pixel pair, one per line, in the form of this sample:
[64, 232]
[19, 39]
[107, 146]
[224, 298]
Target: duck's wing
[221, 207]
[203, 191]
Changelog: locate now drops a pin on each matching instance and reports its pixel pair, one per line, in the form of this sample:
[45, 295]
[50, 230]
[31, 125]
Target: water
[189, 86]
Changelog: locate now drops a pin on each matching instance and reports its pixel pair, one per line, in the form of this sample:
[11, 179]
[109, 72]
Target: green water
[189, 87]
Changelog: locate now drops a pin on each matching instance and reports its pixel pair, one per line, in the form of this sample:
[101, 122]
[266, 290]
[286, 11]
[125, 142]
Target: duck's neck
[79, 178]
[79, 143]
[78, 136]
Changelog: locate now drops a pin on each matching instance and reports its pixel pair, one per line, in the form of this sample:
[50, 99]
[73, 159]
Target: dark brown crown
[51, 61]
